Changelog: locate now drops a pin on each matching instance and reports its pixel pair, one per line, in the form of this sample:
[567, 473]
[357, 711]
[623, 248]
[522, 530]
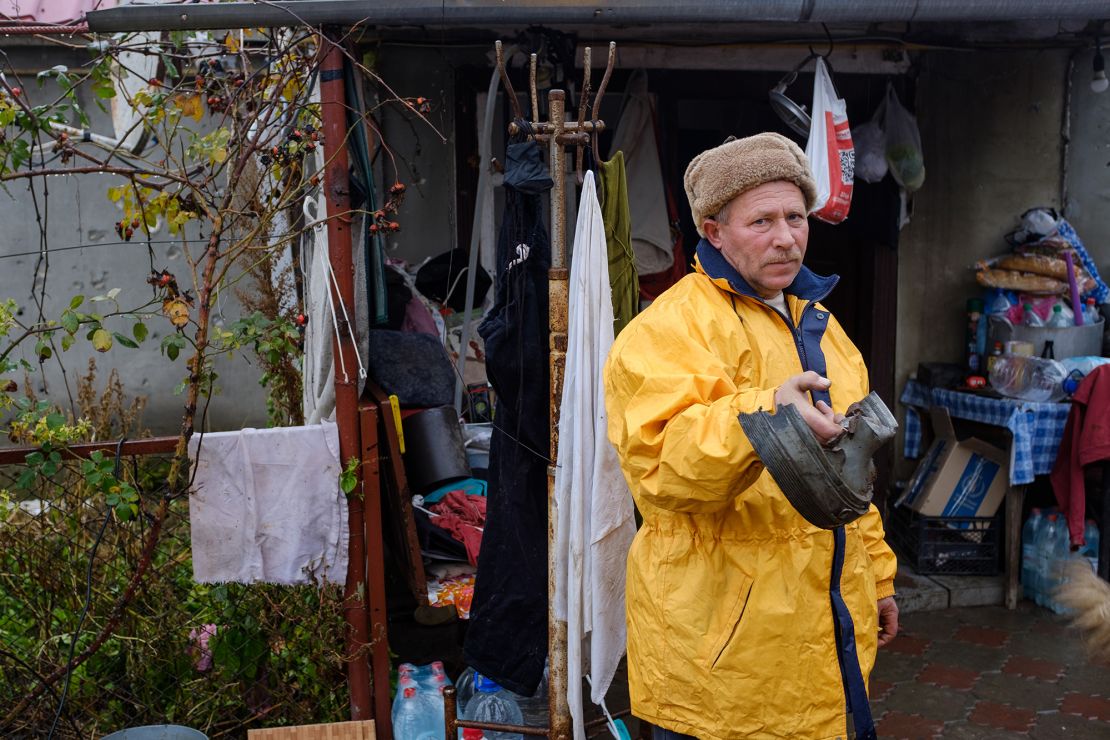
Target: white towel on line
[266, 506]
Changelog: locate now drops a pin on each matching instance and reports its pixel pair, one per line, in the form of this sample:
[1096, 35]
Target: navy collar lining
[807, 285]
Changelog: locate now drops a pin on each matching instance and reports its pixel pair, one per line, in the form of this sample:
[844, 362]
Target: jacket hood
[807, 285]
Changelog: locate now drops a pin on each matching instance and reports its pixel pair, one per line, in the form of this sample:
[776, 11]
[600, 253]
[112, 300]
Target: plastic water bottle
[999, 304]
[1029, 575]
[1090, 550]
[534, 708]
[1090, 312]
[1061, 555]
[1028, 378]
[412, 715]
[1046, 533]
[1057, 320]
[464, 689]
[491, 703]
[1029, 317]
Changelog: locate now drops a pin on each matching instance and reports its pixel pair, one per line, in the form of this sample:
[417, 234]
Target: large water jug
[464, 689]
[1090, 550]
[413, 716]
[1059, 552]
[1029, 579]
[1028, 378]
[1042, 553]
[491, 703]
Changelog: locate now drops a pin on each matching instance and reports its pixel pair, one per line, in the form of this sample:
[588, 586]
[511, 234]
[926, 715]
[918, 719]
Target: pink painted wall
[50, 11]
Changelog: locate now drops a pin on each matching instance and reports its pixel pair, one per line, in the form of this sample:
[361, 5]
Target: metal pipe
[557, 295]
[337, 190]
[497, 13]
[39, 29]
[151, 446]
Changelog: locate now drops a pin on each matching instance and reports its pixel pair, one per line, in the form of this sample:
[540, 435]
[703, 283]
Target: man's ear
[712, 230]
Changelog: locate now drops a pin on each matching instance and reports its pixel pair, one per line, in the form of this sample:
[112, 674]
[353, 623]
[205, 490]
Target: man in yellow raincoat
[744, 620]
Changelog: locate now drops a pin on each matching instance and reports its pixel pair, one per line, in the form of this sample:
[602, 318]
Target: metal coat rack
[558, 133]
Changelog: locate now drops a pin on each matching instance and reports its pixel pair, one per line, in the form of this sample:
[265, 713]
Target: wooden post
[338, 194]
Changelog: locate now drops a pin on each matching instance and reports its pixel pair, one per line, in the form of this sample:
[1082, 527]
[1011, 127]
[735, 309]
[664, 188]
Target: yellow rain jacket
[744, 620]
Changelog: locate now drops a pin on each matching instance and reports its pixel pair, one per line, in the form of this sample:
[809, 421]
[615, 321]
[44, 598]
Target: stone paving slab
[989, 673]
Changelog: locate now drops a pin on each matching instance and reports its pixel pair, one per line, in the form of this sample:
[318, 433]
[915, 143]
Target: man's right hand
[820, 418]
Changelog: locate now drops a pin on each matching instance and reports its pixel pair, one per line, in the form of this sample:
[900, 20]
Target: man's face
[763, 234]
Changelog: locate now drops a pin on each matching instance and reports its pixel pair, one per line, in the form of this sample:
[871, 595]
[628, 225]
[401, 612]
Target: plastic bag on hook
[903, 143]
[829, 149]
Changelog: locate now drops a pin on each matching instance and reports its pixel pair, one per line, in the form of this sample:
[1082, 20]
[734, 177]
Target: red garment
[463, 517]
[1086, 440]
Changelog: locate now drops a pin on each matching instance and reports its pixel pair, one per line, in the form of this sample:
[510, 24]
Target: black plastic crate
[958, 546]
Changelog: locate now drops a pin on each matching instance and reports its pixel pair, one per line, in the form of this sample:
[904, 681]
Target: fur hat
[718, 175]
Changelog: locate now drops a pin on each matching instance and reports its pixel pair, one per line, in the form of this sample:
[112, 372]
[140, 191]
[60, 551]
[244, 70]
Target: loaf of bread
[1038, 264]
[1022, 282]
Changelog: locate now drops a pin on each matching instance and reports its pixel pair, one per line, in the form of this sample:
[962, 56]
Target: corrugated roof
[50, 11]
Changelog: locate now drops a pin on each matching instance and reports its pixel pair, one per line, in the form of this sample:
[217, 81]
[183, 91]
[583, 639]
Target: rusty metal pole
[557, 296]
[338, 194]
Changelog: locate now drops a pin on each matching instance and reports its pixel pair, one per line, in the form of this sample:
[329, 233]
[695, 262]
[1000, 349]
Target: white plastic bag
[870, 143]
[829, 149]
[903, 144]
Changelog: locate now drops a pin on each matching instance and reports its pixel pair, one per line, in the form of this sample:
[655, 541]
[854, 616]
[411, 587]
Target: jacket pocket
[732, 624]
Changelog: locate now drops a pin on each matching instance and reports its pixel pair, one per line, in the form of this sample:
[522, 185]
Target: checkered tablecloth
[1036, 427]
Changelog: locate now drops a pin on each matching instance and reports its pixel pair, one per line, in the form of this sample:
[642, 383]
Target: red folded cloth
[462, 516]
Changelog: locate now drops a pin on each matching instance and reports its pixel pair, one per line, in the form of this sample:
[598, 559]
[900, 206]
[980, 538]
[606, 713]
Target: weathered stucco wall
[990, 125]
[1087, 204]
[78, 212]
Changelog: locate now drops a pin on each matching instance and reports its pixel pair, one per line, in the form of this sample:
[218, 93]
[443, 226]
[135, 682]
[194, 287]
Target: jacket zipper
[837, 636]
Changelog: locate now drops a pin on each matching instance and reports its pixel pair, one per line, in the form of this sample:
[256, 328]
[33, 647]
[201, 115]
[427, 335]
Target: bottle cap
[1036, 510]
[472, 733]
[485, 685]
[1091, 521]
[1057, 308]
[410, 691]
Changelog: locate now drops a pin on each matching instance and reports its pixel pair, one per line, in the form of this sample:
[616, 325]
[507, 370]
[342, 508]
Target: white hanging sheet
[594, 505]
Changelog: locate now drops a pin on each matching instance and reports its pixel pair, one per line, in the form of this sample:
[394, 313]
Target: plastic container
[464, 689]
[998, 304]
[1070, 341]
[413, 717]
[491, 703]
[157, 732]
[1029, 378]
[1090, 549]
[1029, 575]
[1044, 544]
[1058, 320]
[1029, 317]
[946, 545]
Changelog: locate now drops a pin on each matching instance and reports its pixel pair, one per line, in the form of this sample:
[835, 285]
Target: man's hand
[888, 620]
[820, 418]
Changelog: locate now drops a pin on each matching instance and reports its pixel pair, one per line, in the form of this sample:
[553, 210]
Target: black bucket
[434, 451]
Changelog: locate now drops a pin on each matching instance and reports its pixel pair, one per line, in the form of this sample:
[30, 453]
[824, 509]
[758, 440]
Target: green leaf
[67, 341]
[101, 340]
[76, 301]
[125, 340]
[139, 331]
[70, 322]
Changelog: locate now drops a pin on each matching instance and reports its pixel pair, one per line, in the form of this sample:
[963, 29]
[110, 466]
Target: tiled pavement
[986, 672]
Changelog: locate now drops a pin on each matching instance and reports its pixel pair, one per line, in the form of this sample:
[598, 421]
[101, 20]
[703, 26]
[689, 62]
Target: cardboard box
[957, 479]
